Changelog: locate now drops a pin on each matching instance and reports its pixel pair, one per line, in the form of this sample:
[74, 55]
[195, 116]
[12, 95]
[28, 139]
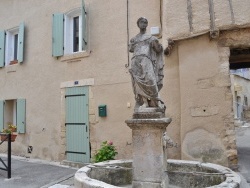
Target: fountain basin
[181, 173]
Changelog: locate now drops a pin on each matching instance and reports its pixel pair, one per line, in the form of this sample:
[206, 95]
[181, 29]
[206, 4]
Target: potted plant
[106, 152]
[9, 130]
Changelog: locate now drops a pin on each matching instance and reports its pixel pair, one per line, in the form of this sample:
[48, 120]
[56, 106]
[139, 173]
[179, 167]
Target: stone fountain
[150, 167]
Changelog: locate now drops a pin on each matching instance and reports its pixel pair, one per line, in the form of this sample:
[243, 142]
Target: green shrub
[106, 152]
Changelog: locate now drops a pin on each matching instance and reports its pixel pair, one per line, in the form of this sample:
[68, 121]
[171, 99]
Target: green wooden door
[77, 125]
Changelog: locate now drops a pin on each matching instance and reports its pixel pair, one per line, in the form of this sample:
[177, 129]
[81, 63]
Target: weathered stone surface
[148, 154]
[241, 12]
[204, 111]
[194, 17]
[181, 174]
[148, 115]
[224, 16]
[202, 145]
[205, 83]
[176, 12]
[201, 16]
[146, 184]
[196, 174]
[146, 68]
[161, 123]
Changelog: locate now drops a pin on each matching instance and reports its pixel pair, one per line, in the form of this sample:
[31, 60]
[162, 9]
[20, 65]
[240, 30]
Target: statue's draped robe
[146, 67]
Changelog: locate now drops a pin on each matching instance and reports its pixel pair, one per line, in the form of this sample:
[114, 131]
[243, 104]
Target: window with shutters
[73, 32]
[70, 36]
[11, 46]
[13, 111]
[9, 112]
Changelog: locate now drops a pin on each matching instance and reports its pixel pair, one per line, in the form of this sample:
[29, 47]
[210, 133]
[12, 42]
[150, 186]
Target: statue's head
[142, 22]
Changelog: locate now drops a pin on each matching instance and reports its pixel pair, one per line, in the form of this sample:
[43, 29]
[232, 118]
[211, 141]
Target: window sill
[75, 57]
[11, 68]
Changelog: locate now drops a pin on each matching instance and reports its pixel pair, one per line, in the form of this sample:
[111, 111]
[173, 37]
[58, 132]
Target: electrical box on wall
[155, 30]
[102, 110]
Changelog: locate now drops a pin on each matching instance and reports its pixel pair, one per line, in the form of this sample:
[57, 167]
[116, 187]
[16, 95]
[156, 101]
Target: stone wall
[206, 118]
[188, 18]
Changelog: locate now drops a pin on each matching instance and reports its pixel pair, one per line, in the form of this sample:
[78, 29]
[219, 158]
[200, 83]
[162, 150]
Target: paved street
[31, 173]
[243, 145]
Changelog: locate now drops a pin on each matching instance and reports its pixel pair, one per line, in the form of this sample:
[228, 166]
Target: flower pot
[13, 62]
[13, 129]
[4, 137]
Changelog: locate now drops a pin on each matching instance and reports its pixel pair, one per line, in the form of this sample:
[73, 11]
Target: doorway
[240, 78]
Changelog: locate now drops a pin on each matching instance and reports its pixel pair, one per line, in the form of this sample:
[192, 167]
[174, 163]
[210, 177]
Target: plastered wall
[196, 84]
[38, 79]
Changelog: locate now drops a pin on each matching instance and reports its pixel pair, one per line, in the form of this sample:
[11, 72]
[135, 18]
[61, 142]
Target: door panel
[77, 129]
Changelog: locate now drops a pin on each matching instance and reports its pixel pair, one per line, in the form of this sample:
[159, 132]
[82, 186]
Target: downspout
[127, 65]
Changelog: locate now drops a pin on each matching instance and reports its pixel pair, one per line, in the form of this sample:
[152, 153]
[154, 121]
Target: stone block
[200, 16]
[222, 13]
[146, 185]
[176, 12]
[241, 12]
[148, 155]
[205, 83]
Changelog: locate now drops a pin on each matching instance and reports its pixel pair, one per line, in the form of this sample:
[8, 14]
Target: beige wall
[39, 78]
[204, 106]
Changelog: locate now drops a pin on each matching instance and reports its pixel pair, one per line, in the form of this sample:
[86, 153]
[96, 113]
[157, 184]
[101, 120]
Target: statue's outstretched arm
[157, 46]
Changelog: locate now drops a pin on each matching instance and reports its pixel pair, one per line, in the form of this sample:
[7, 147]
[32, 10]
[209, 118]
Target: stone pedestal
[148, 158]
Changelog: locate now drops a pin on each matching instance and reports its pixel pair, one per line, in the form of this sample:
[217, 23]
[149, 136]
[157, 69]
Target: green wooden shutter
[57, 35]
[77, 124]
[84, 27]
[21, 115]
[2, 48]
[1, 115]
[20, 43]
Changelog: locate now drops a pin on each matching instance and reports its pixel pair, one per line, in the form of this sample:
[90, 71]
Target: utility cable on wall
[127, 65]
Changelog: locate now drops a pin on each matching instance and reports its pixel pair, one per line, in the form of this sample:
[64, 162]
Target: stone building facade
[240, 80]
[197, 86]
[206, 32]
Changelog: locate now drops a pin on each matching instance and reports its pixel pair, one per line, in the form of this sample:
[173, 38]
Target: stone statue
[146, 68]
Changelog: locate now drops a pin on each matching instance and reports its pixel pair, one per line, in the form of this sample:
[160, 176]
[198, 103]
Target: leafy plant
[10, 129]
[106, 152]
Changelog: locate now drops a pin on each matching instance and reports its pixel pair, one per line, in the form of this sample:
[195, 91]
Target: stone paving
[243, 147]
[32, 173]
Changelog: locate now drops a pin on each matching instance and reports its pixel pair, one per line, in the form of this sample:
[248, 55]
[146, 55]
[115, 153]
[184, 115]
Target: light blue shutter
[84, 27]
[21, 115]
[2, 48]
[57, 35]
[77, 124]
[20, 43]
[1, 115]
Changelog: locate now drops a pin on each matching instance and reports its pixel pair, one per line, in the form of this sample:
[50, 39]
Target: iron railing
[7, 167]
